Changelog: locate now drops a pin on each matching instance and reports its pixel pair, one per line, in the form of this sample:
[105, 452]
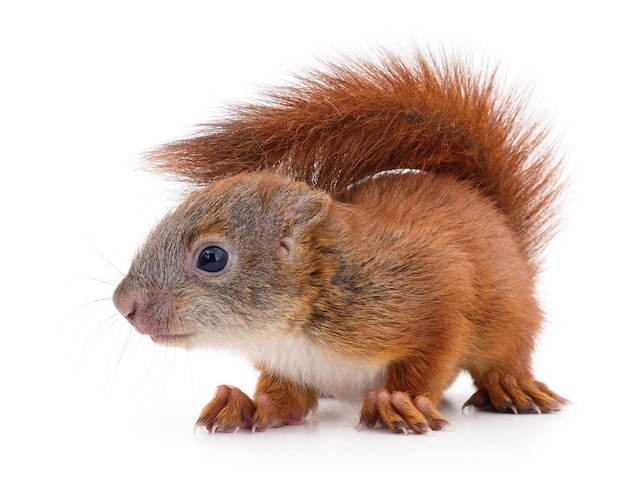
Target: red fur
[420, 274]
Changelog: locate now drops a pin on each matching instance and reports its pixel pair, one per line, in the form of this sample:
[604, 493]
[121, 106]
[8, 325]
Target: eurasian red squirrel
[365, 234]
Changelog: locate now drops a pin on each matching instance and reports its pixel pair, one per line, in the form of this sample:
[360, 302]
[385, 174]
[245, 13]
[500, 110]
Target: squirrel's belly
[331, 373]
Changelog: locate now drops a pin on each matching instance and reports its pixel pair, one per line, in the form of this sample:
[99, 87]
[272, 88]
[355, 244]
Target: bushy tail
[342, 124]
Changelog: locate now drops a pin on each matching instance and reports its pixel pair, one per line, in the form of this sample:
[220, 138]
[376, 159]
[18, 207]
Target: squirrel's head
[227, 264]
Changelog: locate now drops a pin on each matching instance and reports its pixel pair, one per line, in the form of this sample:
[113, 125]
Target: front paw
[400, 412]
[230, 409]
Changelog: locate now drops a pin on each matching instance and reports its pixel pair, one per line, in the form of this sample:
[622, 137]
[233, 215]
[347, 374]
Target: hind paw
[505, 393]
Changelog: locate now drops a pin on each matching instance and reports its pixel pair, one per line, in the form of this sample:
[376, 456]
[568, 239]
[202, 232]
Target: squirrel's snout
[126, 305]
[141, 314]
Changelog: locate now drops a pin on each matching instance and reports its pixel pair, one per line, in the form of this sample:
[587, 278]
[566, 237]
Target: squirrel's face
[224, 266]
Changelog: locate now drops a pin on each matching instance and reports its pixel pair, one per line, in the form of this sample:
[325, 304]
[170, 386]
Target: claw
[467, 405]
[399, 427]
[532, 407]
[441, 425]
[480, 400]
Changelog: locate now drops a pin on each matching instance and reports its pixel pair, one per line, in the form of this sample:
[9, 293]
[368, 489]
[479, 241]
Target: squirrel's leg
[281, 402]
[501, 359]
[409, 400]
[503, 376]
[276, 402]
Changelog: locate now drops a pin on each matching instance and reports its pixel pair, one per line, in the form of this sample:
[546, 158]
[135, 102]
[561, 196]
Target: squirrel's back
[343, 124]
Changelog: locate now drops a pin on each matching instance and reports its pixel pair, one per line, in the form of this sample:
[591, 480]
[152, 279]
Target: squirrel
[365, 233]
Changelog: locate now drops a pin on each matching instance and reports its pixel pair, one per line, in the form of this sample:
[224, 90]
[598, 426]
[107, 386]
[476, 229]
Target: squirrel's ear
[307, 208]
[301, 211]
[300, 207]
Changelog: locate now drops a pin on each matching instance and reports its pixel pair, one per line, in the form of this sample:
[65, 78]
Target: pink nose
[130, 314]
[125, 305]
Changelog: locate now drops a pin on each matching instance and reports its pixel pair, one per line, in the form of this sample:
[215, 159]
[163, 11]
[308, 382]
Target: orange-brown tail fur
[342, 124]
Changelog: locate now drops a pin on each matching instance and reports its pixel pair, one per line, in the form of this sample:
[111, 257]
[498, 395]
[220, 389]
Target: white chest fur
[305, 363]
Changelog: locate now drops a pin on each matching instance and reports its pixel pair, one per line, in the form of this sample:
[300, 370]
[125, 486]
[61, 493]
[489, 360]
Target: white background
[89, 408]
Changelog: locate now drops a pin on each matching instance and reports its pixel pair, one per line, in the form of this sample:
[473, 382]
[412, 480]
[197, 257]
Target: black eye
[212, 259]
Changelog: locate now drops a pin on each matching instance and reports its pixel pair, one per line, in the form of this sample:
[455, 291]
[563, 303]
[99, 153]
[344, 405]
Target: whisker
[97, 334]
[114, 364]
[100, 302]
[117, 270]
[125, 347]
[99, 280]
[166, 362]
[191, 378]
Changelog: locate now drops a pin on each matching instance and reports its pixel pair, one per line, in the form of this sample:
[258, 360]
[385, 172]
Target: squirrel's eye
[212, 259]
